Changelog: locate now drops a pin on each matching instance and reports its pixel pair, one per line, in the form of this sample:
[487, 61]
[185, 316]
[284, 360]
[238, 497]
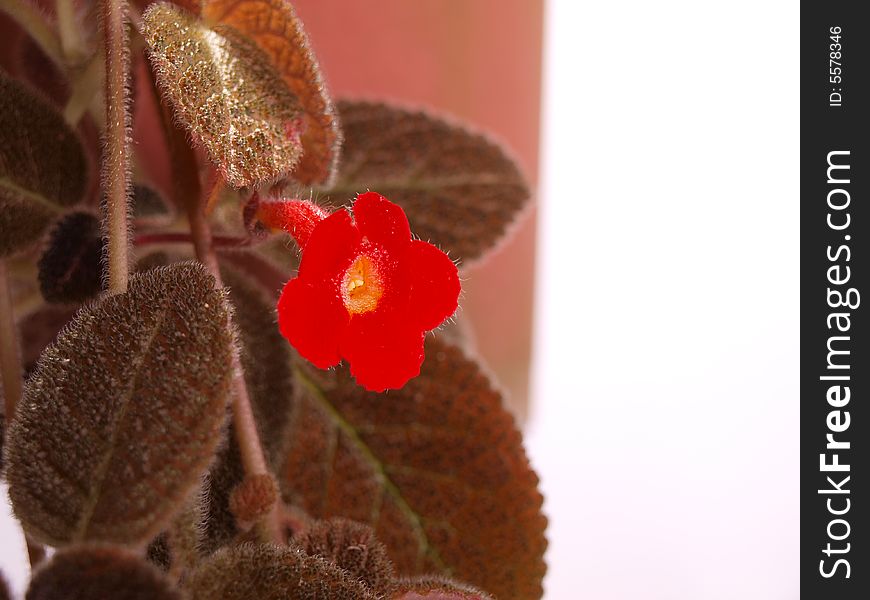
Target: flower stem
[247, 437]
[11, 377]
[177, 237]
[116, 153]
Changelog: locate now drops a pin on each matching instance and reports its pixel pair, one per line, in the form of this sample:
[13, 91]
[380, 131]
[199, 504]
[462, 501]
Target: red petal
[381, 221]
[331, 248]
[382, 351]
[312, 318]
[434, 285]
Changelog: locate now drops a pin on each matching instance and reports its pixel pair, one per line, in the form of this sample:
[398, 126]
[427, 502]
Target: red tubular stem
[296, 217]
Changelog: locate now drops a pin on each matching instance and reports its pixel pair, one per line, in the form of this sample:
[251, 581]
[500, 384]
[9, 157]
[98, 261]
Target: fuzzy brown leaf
[436, 588]
[226, 92]
[353, 547]
[123, 411]
[272, 573]
[436, 468]
[43, 168]
[275, 28]
[89, 572]
[460, 190]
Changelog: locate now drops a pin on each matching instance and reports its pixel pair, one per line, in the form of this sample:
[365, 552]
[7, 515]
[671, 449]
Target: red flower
[366, 292]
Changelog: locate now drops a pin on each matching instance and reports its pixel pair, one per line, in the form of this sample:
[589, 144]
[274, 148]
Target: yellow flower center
[361, 287]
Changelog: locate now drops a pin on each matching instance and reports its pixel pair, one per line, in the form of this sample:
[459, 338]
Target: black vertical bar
[835, 374]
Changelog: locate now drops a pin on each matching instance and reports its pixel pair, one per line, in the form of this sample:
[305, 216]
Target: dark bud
[70, 269]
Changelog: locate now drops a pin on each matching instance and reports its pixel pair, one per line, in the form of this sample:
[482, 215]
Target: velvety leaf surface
[92, 572]
[274, 27]
[227, 93]
[460, 191]
[123, 411]
[353, 547]
[436, 588]
[268, 572]
[70, 268]
[436, 468]
[43, 168]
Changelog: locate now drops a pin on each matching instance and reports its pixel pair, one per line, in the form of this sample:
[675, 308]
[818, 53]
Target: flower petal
[331, 248]
[383, 352]
[313, 319]
[381, 221]
[434, 285]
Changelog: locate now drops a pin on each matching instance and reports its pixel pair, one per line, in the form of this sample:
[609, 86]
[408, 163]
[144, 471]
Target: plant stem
[33, 21]
[116, 153]
[11, 377]
[247, 437]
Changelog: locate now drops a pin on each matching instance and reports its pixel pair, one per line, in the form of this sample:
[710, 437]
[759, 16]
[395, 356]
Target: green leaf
[123, 412]
[268, 572]
[89, 572]
[43, 168]
[227, 93]
[460, 190]
[436, 468]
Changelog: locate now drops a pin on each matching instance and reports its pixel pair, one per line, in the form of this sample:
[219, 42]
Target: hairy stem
[11, 377]
[31, 19]
[116, 153]
[247, 437]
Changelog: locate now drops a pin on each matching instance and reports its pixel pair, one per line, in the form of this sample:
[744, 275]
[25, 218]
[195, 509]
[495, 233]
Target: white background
[665, 415]
[665, 423]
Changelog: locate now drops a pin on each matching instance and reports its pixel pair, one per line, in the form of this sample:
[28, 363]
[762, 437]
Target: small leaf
[253, 498]
[269, 572]
[43, 168]
[123, 412]
[436, 468]
[353, 547]
[91, 572]
[70, 269]
[275, 28]
[227, 94]
[460, 191]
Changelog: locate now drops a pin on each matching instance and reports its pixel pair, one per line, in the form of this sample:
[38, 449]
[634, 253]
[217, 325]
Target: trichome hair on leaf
[269, 572]
[226, 92]
[274, 26]
[353, 547]
[88, 572]
[123, 412]
[70, 268]
[436, 468]
[253, 498]
[434, 587]
[460, 190]
[43, 168]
